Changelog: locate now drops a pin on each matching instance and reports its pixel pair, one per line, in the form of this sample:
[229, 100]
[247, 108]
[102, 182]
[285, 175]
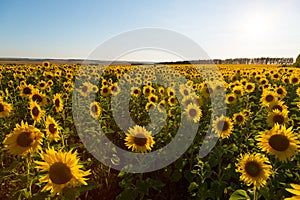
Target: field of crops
[47, 110]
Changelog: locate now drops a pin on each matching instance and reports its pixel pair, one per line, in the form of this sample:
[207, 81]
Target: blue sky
[223, 28]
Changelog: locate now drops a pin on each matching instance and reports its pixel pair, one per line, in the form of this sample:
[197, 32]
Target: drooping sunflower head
[52, 129]
[62, 170]
[223, 126]
[279, 141]
[278, 117]
[193, 112]
[58, 102]
[23, 139]
[254, 168]
[139, 139]
[5, 109]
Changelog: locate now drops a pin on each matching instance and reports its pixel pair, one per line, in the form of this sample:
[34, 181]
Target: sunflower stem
[255, 194]
[28, 160]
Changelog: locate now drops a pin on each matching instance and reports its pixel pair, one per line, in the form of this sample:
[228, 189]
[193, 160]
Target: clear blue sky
[223, 28]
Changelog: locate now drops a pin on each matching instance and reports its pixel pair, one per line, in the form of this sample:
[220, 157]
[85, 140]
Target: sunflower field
[43, 156]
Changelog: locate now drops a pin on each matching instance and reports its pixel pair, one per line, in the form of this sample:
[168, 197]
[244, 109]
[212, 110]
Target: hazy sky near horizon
[223, 28]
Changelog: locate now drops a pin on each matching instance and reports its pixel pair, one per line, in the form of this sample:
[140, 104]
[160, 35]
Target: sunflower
[161, 106]
[23, 139]
[63, 170]
[115, 89]
[295, 191]
[52, 129]
[238, 90]
[58, 103]
[5, 109]
[279, 141]
[149, 105]
[42, 85]
[249, 87]
[294, 79]
[152, 98]
[277, 105]
[281, 91]
[147, 90]
[184, 90]
[45, 64]
[139, 139]
[223, 126]
[255, 169]
[170, 92]
[135, 91]
[105, 91]
[40, 98]
[230, 98]
[268, 97]
[190, 99]
[95, 109]
[26, 90]
[193, 112]
[36, 112]
[172, 100]
[277, 117]
[85, 89]
[239, 118]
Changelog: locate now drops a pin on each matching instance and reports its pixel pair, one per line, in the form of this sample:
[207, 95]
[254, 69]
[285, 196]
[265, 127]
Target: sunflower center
[153, 99]
[185, 92]
[249, 87]
[94, 109]
[280, 91]
[37, 98]
[294, 80]
[277, 107]
[59, 173]
[223, 125]
[230, 99]
[84, 89]
[24, 139]
[1, 107]
[135, 91]
[252, 168]
[269, 98]
[279, 142]
[140, 139]
[52, 128]
[278, 119]
[239, 118]
[104, 90]
[192, 112]
[35, 111]
[27, 90]
[56, 102]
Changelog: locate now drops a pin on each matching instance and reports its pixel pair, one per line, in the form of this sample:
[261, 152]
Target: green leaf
[127, 194]
[239, 195]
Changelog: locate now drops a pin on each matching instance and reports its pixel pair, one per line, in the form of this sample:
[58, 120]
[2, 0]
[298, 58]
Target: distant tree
[297, 63]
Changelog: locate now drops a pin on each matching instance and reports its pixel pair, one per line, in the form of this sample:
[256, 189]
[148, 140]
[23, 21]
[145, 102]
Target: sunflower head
[36, 112]
[193, 112]
[223, 126]
[62, 170]
[95, 109]
[5, 109]
[278, 117]
[139, 139]
[23, 139]
[279, 141]
[230, 98]
[58, 103]
[52, 129]
[239, 118]
[254, 168]
[268, 97]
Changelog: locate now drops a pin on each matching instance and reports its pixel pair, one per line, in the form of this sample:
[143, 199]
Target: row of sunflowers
[44, 155]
